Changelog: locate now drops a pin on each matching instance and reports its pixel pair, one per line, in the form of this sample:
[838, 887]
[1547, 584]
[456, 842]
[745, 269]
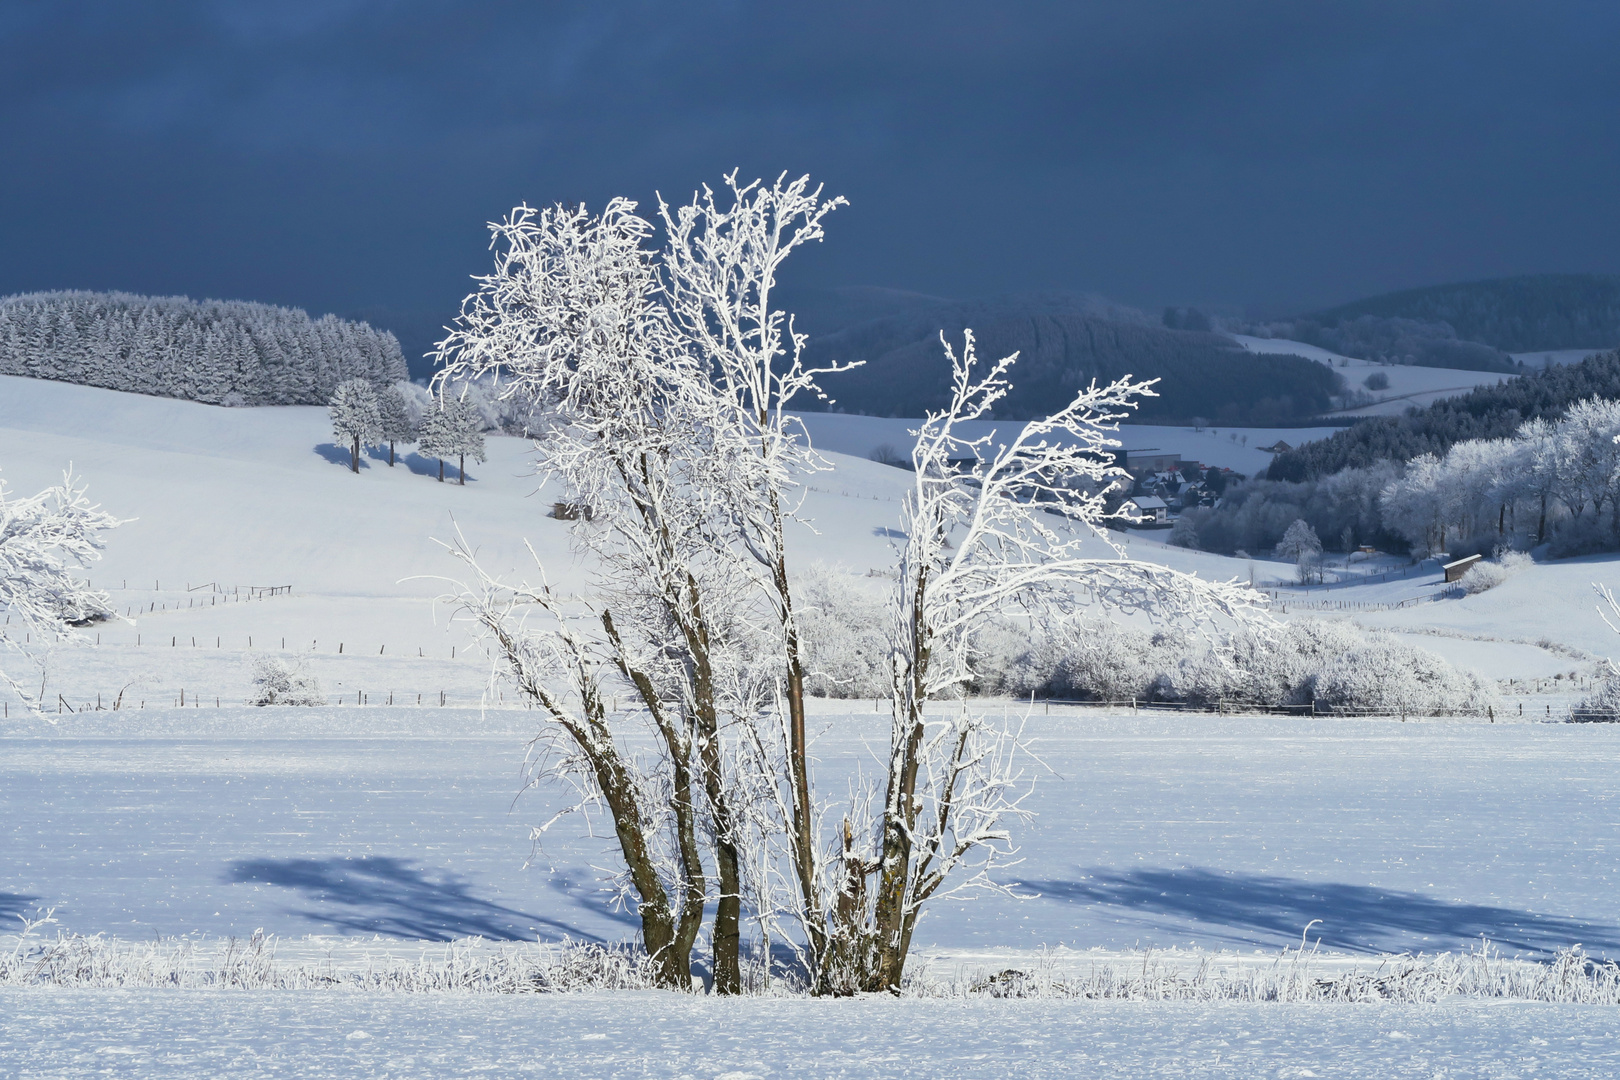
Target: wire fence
[1570, 714]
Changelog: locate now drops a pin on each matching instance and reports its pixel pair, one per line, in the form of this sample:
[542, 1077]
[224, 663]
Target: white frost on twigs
[43, 540]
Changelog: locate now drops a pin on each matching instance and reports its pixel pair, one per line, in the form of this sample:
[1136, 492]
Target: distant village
[1162, 484]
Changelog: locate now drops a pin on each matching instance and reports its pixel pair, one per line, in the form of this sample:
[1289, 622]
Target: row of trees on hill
[1518, 314]
[1487, 412]
[1396, 341]
[223, 352]
[443, 427]
[1550, 481]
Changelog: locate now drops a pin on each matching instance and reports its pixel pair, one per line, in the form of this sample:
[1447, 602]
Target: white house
[1151, 509]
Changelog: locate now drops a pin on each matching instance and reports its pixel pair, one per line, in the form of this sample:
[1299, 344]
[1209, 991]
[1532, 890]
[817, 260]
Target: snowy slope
[223, 498]
[1409, 385]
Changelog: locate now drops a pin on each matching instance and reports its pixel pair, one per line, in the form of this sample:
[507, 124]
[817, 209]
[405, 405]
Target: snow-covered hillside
[222, 499]
[1409, 385]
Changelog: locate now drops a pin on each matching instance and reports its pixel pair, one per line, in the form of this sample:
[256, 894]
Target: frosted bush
[1603, 703]
[275, 682]
[1489, 574]
[1387, 675]
[841, 628]
[1333, 664]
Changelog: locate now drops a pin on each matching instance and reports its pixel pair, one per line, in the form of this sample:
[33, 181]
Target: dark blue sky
[343, 155]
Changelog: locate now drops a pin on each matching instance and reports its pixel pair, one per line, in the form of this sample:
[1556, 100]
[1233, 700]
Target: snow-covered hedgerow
[225, 352]
[1333, 665]
[1387, 675]
[275, 682]
[841, 625]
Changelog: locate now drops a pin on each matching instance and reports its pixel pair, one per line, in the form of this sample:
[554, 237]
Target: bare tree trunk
[441, 470]
[803, 828]
[461, 470]
[661, 934]
[390, 453]
[900, 808]
[354, 455]
[679, 747]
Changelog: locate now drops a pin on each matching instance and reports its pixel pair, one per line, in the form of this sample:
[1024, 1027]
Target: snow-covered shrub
[1332, 663]
[1489, 574]
[1094, 658]
[1603, 703]
[841, 627]
[1183, 533]
[275, 682]
[1388, 675]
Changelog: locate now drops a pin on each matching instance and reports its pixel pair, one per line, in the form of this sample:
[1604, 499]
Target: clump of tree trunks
[663, 375]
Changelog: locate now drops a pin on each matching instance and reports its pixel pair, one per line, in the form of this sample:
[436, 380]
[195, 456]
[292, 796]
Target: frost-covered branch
[44, 539]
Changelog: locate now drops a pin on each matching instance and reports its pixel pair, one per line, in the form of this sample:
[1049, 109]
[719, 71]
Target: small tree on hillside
[434, 436]
[42, 540]
[398, 426]
[356, 416]
[466, 429]
[1301, 544]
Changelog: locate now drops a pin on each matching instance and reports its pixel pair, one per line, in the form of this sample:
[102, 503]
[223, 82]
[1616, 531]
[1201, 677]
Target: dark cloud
[344, 155]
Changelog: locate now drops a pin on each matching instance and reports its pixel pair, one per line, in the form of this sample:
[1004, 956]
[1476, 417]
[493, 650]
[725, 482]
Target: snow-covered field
[1190, 832]
[1409, 385]
[1219, 835]
[146, 1033]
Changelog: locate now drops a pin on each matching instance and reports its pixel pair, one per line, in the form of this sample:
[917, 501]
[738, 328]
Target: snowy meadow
[658, 707]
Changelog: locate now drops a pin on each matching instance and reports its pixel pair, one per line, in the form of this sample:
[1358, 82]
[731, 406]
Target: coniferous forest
[223, 352]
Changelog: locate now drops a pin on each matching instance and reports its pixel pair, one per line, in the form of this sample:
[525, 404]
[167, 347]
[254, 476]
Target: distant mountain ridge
[1064, 341]
[1515, 314]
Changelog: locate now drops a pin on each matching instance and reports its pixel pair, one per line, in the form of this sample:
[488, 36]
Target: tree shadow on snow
[12, 905]
[413, 461]
[1272, 911]
[338, 455]
[383, 895]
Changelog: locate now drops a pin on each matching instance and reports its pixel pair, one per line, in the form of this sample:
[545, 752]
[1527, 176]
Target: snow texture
[146, 1033]
[1185, 832]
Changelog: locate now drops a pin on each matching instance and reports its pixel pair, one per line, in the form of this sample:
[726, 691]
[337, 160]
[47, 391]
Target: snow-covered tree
[1301, 544]
[43, 541]
[665, 386]
[435, 435]
[397, 425]
[465, 427]
[356, 416]
[452, 428]
[979, 548]
[569, 316]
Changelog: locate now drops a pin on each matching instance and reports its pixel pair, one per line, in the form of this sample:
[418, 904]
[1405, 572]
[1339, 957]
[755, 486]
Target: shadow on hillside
[12, 905]
[338, 455]
[383, 895]
[1273, 911]
[415, 462]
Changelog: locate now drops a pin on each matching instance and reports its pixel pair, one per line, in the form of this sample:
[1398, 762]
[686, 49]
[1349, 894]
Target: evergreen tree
[356, 417]
[397, 424]
[436, 436]
[466, 433]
